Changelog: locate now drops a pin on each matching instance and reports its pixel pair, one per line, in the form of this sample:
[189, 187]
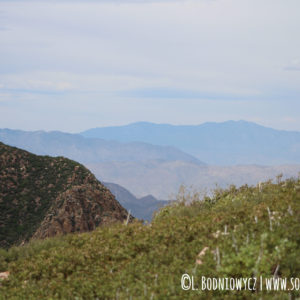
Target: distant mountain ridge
[146, 169]
[141, 208]
[227, 143]
[42, 196]
[89, 150]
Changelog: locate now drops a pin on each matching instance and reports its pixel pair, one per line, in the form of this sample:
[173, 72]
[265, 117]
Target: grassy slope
[249, 233]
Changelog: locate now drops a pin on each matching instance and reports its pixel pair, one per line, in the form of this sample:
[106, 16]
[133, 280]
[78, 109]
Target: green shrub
[250, 231]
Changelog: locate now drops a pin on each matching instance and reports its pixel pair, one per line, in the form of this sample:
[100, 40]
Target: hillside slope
[86, 150]
[42, 196]
[236, 233]
[142, 208]
[227, 143]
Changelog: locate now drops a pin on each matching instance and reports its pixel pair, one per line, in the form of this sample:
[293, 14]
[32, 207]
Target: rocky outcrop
[79, 209]
[42, 196]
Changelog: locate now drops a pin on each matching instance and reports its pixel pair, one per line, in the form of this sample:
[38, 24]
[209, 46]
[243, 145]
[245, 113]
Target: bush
[245, 232]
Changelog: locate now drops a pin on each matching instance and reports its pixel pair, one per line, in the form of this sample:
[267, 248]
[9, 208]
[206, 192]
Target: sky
[73, 65]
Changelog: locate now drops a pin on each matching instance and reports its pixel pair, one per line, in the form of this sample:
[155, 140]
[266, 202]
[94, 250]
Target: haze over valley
[156, 159]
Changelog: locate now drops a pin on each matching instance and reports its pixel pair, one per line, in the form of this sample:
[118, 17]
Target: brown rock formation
[42, 196]
[79, 209]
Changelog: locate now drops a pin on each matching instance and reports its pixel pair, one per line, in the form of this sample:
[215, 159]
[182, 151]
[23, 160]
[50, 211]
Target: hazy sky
[73, 65]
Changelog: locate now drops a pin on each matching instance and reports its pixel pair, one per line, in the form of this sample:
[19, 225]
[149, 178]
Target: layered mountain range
[90, 150]
[155, 159]
[227, 143]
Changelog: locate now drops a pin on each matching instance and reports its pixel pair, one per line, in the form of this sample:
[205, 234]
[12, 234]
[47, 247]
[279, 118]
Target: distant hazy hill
[163, 179]
[215, 143]
[142, 208]
[42, 196]
[86, 150]
[146, 169]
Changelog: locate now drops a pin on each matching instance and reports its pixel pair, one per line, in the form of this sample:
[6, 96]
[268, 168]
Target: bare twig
[276, 271]
[270, 219]
[128, 217]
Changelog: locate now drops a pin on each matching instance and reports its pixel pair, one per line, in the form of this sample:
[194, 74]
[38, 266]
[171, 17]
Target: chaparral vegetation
[237, 232]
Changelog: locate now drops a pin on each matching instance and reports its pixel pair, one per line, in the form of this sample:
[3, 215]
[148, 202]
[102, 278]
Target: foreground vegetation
[245, 232]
